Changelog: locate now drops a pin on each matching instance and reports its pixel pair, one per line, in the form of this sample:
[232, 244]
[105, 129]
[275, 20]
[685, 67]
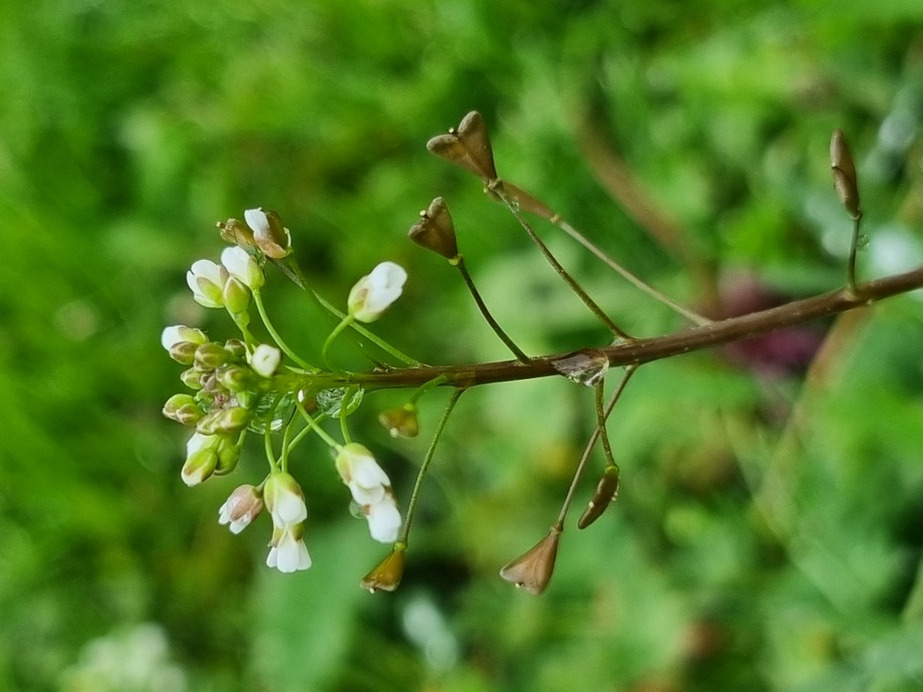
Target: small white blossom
[366, 480]
[384, 519]
[373, 293]
[265, 360]
[287, 552]
[243, 267]
[276, 242]
[179, 333]
[242, 507]
[284, 500]
[206, 280]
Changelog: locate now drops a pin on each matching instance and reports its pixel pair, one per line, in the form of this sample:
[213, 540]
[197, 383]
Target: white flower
[265, 360]
[178, 333]
[284, 500]
[287, 552]
[384, 519]
[376, 291]
[270, 236]
[201, 458]
[366, 480]
[243, 267]
[207, 279]
[242, 507]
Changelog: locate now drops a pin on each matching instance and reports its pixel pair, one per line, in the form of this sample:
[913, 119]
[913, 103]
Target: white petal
[384, 520]
[256, 220]
[265, 360]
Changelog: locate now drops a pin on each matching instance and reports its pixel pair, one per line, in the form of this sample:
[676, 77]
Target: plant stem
[424, 467]
[636, 352]
[562, 272]
[258, 299]
[599, 430]
[851, 263]
[504, 337]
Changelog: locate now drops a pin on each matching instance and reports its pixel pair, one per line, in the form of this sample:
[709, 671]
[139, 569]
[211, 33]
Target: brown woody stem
[635, 352]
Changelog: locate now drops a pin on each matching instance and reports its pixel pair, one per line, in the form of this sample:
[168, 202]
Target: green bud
[224, 421]
[236, 296]
[183, 352]
[192, 378]
[199, 466]
[211, 356]
[183, 409]
[401, 422]
[228, 456]
[238, 233]
[236, 348]
[236, 378]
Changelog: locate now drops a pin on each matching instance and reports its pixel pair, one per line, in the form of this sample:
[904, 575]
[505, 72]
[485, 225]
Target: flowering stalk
[264, 316]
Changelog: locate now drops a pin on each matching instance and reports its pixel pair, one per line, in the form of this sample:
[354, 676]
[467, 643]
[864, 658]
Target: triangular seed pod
[435, 231]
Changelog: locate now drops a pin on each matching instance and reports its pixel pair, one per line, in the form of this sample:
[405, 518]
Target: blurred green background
[770, 525]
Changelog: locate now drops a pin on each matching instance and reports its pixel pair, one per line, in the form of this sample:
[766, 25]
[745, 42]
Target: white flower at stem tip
[373, 293]
[206, 280]
[287, 552]
[366, 480]
[243, 267]
[384, 519]
[179, 333]
[265, 360]
[242, 507]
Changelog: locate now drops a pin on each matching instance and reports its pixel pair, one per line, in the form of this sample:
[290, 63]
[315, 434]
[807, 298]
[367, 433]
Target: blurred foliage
[128, 129]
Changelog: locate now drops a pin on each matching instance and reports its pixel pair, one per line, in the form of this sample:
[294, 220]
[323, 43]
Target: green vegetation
[769, 528]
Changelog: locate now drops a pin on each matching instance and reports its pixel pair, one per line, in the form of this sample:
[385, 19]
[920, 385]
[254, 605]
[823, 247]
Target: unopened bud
[192, 378]
[183, 409]
[183, 352]
[224, 421]
[467, 146]
[236, 296]
[236, 348]
[228, 455]
[532, 570]
[235, 378]
[387, 574]
[435, 230]
[845, 180]
[210, 356]
[237, 232]
[401, 421]
[606, 491]
[199, 466]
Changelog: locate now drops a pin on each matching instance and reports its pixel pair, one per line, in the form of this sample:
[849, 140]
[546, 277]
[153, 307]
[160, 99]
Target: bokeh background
[769, 529]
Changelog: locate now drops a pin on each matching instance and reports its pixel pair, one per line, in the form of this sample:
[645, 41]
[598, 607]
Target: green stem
[344, 323]
[459, 262]
[599, 430]
[358, 328]
[424, 388]
[258, 299]
[312, 424]
[562, 272]
[424, 467]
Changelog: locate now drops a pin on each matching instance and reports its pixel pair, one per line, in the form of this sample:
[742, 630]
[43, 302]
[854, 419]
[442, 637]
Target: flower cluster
[243, 385]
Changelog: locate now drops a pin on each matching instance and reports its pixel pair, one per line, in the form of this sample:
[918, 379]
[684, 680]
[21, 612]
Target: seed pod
[467, 146]
[606, 491]
[435, 230]
[844, 174]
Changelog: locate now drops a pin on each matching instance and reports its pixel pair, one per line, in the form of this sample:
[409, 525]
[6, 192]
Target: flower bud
[400, 422]
[183, 352]
[284, 499]
[228, 455]
[199, 466]
[606, 491]
[236, 378]
[183, 409]
[843, 168]
[224, 421]
[236, 296]
[210, 356]
[192, 378]
[237, 232]
[265, 360]
[179, 333]
[387, 574]
[242, 507]
[270, 236]
[237, 349]
[242, 267]
[468, 147]
[532, 570]
[435, 230]
[373, 293]
[206, 280]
